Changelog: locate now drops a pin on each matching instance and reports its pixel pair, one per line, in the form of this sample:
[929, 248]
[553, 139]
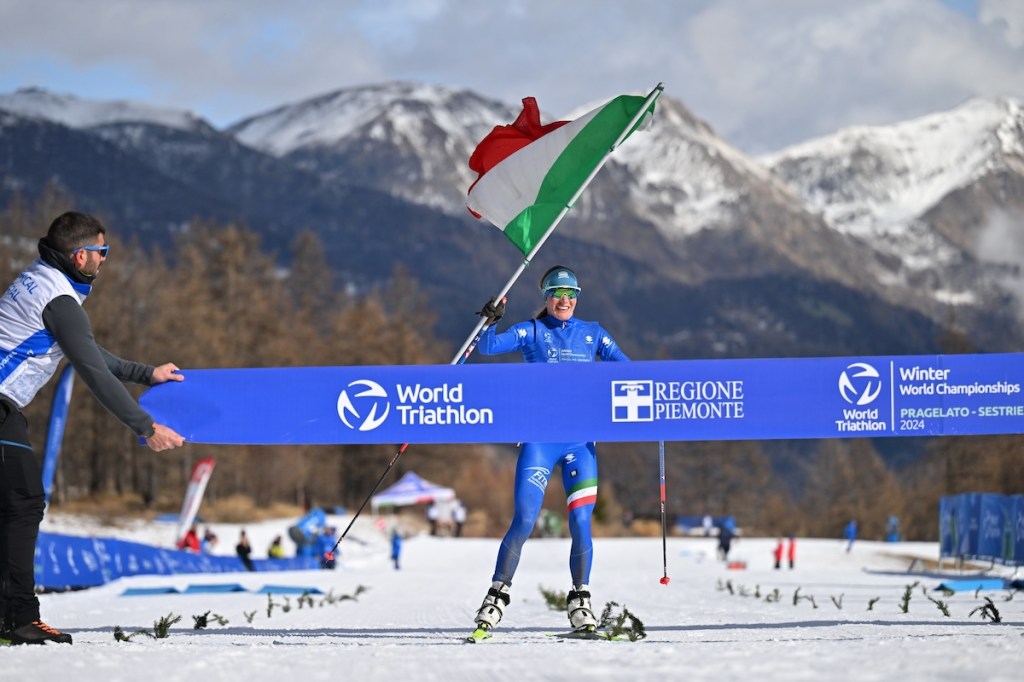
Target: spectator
[209, 542]
[892, 529]
[276, 549]
[396, 547]
[850, 533]
[460, 517]
[708, 524]
[432, 514]
[725, 536]
[190, 543]
[792, 551]
[243, 549]
[325, 548]
[778, 554]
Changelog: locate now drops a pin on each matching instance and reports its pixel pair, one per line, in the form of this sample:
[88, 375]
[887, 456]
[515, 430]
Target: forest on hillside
[217, 299]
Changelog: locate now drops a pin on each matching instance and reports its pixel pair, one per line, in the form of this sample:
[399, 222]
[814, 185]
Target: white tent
[410, 489]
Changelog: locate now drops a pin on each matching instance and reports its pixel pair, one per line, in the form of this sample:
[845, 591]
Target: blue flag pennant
[55, 430]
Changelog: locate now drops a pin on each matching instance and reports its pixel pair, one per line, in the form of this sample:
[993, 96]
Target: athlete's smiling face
[561, 307]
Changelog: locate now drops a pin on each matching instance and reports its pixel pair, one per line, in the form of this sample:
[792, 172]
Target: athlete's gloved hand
[493, 311]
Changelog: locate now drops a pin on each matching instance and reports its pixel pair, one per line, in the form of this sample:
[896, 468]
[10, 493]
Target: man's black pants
[21, 511]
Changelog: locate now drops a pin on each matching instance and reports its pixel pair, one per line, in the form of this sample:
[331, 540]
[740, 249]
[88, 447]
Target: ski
[589, 634]
[484, 634]
[478, 635]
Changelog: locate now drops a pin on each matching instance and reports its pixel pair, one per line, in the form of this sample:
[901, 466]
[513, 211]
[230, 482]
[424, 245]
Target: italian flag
[582, 494]
[530, 173]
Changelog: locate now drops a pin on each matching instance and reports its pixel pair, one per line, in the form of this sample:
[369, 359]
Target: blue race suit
[550, 340]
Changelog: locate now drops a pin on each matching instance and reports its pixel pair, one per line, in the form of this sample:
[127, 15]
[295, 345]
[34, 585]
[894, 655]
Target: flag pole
[470, 343]
[474, 338]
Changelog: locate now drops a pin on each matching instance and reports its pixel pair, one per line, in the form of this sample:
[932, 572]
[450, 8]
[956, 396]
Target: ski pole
[457, 360]
[330, 555]
[664, 531]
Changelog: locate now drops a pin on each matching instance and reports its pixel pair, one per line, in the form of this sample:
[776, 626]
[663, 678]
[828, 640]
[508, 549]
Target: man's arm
[126, 370]
[66, 320]
[138, 372]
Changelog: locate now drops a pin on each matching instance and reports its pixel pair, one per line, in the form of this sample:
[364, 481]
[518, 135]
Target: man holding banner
[553, 336]
[41, 322]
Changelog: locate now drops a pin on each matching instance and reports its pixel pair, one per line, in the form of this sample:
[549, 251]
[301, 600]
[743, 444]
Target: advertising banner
[65, 562]
[679, 400]
[201, 473]
[1017, 527]
[982, 526]
[62, 562]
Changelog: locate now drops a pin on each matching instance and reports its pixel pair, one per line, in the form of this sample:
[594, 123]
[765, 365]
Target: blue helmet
[559, 277]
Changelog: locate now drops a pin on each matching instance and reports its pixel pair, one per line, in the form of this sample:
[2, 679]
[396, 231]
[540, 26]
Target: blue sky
[762, 73]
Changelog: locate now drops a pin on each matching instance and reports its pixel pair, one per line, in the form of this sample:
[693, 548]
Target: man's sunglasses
[102, 250]
[559, 293]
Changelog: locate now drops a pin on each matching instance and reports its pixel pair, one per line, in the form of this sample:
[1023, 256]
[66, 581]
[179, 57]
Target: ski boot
[491, 611]
[577, 603]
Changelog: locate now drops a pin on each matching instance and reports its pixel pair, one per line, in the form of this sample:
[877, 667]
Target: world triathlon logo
[372, 401]
[860, 384]
[632, 401]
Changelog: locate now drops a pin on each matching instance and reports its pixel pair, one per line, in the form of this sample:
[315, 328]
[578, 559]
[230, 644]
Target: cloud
[762, 74]
[1005, 17]
[1000, 243]
[796, 70]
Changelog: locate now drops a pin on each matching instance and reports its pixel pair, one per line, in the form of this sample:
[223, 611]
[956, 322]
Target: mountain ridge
[676, 211]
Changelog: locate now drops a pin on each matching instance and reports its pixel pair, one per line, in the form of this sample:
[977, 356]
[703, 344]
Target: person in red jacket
[792, 551]
[778, 554]
[190, 543]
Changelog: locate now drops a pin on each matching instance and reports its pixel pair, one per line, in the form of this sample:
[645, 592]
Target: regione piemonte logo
[860, 384]
[371, 399]
[632, 401]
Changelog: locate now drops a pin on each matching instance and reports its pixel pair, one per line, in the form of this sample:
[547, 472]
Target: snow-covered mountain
[859, 243]
[876, 181]
[75, 112]
[408, 139]
[670, 184]
[934, 197]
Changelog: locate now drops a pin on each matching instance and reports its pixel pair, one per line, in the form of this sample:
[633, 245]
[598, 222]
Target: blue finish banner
[679, 400]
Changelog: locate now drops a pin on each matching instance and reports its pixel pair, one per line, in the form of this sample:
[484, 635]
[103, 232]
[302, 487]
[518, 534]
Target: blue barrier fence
[982, 526]
[68, 562]
[689, 523]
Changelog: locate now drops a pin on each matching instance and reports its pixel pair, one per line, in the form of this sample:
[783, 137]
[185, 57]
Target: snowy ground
[408, 624]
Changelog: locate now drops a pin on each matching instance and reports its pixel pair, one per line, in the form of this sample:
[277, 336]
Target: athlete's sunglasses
[559, 293]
